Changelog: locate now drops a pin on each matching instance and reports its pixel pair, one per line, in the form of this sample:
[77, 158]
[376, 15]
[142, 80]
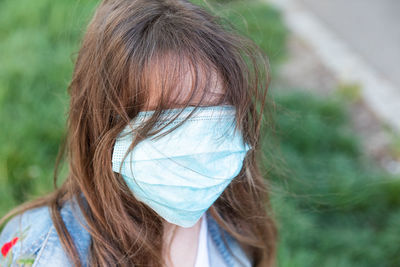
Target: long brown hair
[177, 53]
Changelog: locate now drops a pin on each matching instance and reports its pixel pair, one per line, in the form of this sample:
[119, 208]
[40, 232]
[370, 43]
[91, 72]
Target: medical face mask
[181, 174]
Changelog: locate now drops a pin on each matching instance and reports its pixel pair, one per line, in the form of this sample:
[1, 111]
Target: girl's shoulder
[30, 238]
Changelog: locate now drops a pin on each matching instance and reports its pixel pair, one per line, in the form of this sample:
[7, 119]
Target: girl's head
[141, 55]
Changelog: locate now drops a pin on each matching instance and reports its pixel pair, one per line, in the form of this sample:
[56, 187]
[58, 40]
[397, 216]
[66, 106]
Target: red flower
[7, 246]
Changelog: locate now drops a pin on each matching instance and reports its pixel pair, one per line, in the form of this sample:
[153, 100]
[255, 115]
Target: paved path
[358, 40]
[372, 27]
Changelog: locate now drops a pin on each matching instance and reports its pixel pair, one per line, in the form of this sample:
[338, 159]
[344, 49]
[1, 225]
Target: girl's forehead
[184, 85]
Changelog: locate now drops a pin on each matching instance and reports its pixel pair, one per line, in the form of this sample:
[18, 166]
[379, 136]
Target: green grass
[334, 206]
[38, 39]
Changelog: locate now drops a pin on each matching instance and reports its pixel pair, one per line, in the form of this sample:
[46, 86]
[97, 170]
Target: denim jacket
[38, 244]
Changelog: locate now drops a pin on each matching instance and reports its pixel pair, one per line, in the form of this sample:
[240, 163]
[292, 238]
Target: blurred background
[332, 161]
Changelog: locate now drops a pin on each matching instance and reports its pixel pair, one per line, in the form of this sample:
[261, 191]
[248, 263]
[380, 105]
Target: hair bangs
[176, 80]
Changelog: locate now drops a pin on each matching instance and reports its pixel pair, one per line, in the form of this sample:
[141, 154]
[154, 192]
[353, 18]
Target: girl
[166, 105]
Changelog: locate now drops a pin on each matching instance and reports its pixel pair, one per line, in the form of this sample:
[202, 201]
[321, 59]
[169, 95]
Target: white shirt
[202, 249]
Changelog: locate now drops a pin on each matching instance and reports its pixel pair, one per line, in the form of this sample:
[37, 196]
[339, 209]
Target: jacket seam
[42, 247]
[37, 242]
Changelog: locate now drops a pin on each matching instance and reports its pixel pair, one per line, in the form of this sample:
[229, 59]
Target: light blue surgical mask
[181, 174]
